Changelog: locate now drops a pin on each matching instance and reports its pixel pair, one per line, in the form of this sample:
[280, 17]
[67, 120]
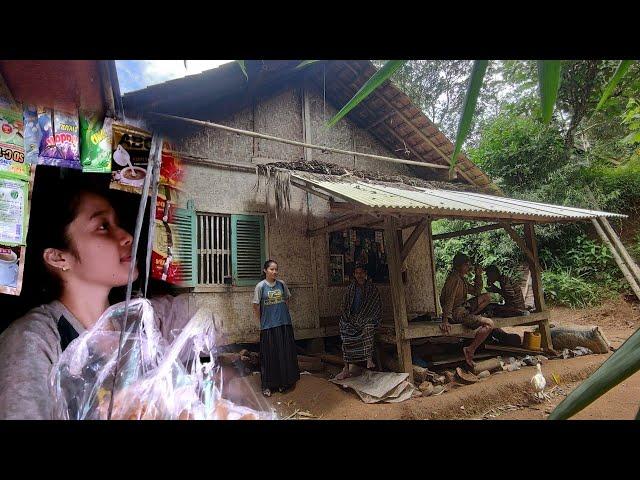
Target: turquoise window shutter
[185, 245]
[248, 252]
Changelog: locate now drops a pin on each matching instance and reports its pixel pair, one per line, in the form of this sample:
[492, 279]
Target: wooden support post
[413, 238]
[616, 256]
[613, 236]
[536, 283]
[398, 296]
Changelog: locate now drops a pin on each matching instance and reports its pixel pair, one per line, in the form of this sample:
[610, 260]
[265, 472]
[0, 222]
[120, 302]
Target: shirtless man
[456, 308]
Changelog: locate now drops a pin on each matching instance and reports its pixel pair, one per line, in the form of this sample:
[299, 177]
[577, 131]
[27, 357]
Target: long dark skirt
[278, 357]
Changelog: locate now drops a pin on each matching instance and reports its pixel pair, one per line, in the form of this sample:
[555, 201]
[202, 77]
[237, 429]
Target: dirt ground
[505, 395]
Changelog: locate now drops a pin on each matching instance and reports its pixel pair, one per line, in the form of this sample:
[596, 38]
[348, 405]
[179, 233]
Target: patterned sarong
[358, 330]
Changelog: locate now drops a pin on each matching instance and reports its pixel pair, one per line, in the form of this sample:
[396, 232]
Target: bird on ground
[538, 381]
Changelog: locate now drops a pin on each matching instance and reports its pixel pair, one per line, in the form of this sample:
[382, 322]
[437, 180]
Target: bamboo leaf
[618, 367]
[470, 100]
[617, 76]
[243, 67]
[374, 82]
[305, 63]
[548, 83]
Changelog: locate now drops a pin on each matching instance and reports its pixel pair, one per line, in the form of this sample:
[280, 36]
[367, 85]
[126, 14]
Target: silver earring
[64, 269]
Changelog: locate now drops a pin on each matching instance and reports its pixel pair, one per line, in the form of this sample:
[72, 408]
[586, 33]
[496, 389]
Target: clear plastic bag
[153, 379]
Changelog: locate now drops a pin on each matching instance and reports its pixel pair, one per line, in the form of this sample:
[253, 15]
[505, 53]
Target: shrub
[564, 287]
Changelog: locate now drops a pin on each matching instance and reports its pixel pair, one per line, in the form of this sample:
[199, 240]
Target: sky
[137, 74]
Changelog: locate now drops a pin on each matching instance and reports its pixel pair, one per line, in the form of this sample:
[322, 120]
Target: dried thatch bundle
[280, 181]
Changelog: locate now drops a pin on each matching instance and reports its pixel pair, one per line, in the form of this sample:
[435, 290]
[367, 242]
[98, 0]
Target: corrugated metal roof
[446, 203]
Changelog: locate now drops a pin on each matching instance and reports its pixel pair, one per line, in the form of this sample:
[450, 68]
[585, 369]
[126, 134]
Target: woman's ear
[56, 259]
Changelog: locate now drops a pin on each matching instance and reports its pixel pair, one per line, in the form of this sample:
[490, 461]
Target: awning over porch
[398, 198]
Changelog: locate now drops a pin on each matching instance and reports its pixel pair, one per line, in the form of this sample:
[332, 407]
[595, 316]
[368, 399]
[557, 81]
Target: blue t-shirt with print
[274, 312]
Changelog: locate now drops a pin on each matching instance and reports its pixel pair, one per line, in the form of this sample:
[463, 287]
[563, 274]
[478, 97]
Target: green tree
[519, 152]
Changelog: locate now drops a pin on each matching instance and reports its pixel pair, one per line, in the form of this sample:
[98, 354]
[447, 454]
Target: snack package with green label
[95, 143]
[12, 162]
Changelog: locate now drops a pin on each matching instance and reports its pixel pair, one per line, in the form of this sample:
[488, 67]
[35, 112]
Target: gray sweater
[30, 347]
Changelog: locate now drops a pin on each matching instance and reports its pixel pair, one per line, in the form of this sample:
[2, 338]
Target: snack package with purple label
[59, 144]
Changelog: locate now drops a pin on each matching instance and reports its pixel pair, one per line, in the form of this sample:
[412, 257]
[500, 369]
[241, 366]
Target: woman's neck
[86, 304]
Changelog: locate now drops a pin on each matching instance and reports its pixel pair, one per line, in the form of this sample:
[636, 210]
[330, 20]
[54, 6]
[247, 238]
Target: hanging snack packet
[32, 134]
[171, 170]
[164, 266]
[95, 143]
[12, 144]
[59, 145]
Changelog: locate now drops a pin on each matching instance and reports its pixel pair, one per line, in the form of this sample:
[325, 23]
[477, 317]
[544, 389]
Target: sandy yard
[505, 395]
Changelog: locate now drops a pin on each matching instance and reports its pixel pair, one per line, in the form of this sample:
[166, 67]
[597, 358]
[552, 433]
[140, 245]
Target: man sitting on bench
[456, 308]
[509, 290]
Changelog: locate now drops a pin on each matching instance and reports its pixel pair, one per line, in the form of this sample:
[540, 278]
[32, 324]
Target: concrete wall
[303, 261]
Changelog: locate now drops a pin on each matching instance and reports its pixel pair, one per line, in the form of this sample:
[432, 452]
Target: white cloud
[143, 73]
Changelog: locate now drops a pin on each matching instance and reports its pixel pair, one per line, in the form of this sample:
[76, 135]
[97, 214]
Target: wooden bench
[416, 330]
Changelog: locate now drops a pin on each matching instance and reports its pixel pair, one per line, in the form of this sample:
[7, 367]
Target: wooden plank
[398, 295]
[432, 329]
[458, 359]
[613, 236]
[506, 348]
[616, 256]
[413, 238]
[469, 231]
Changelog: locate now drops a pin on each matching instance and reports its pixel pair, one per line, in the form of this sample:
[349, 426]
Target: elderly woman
[361, 314]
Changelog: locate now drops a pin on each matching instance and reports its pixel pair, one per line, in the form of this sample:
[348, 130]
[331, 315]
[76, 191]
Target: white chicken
[538, 381]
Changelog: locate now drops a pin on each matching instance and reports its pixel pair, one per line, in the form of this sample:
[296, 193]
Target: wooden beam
[398, 295]
[469, 231]
[337, 225]
[613, 236]
[381, 119]
[311, 190]
[521, 243]
[616, 256]
[413, 238]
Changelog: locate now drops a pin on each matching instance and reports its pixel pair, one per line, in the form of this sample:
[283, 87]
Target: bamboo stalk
[621, 248]
[300, 144]
[625, 269]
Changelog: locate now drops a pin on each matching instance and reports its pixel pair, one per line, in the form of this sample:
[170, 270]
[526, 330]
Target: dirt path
[506, 395]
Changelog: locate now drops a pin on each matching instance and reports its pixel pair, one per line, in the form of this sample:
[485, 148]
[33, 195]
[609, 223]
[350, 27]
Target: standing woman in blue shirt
[278, 356]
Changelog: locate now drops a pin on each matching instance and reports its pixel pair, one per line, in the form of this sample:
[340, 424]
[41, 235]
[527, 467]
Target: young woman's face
[104, 249]
[272, 271]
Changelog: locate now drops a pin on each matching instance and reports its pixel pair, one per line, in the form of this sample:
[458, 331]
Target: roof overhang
[365, 197]
[64, 84]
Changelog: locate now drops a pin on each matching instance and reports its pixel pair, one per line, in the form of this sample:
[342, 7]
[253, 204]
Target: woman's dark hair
[266, 265]
[55, 205]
